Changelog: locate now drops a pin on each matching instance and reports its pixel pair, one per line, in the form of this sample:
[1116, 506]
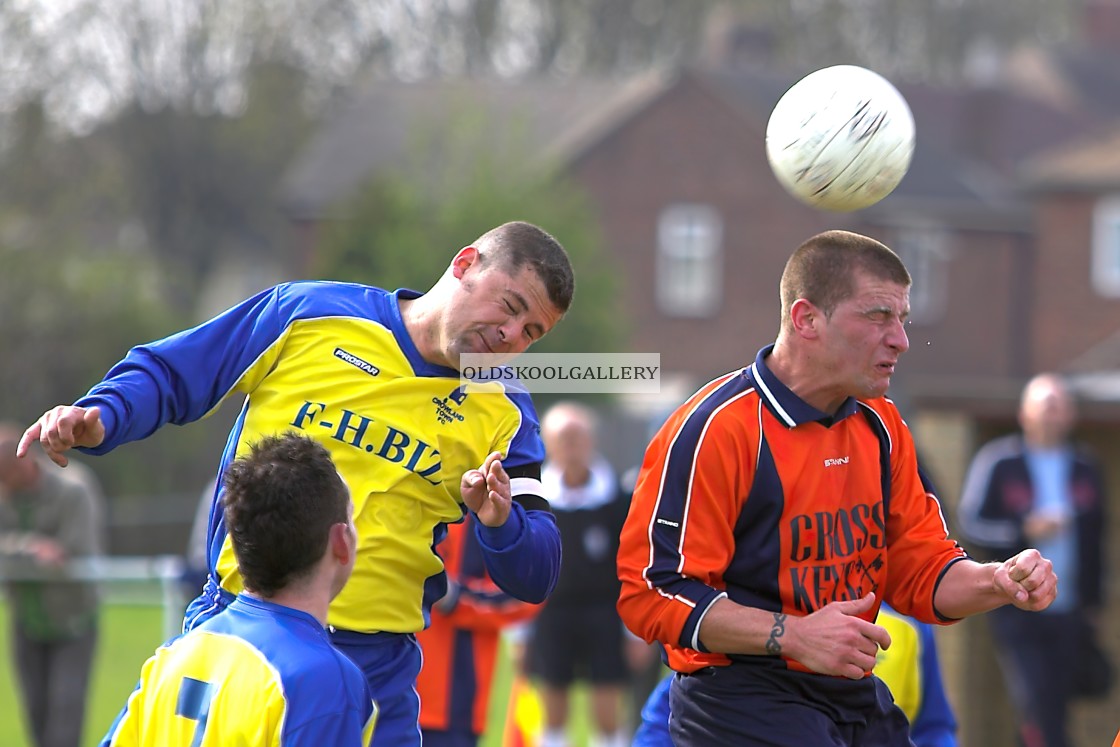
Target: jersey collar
[787, 406]
[408, 347]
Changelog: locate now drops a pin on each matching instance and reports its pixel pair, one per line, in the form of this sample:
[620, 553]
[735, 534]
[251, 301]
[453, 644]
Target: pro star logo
[356, 362]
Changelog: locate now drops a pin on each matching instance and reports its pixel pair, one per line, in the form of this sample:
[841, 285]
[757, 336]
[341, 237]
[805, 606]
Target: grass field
[130, 632]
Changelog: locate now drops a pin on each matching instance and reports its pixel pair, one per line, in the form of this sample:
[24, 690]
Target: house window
[924, 252]
[1106, 246]
[689, 261]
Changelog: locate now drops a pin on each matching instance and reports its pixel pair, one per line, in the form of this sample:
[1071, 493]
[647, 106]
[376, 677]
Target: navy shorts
[570, 643]
[767, 706]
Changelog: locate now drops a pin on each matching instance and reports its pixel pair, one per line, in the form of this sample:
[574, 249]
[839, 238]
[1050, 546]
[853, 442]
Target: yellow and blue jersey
[259, 674]
[913, 674]
[334, 361]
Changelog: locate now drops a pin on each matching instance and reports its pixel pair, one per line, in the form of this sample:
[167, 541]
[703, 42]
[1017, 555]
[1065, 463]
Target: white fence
[167, 570]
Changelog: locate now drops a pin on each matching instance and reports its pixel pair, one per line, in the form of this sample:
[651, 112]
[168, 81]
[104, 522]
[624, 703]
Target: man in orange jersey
[461, 644]
[781, 504]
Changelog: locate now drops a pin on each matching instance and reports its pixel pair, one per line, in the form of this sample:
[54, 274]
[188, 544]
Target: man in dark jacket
[1039, 489]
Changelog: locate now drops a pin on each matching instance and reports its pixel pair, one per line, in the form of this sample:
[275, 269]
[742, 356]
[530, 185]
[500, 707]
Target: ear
[340, 546]
[462, 261]
[806, 318]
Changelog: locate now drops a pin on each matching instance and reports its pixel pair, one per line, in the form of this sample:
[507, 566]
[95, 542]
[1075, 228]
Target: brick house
[1009, 220]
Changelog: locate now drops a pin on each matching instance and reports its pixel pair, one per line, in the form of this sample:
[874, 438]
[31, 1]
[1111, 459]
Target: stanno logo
[357, 362]
[836, 462]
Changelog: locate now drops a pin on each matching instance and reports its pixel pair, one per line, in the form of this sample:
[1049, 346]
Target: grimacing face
[865, 336]
[493, 312]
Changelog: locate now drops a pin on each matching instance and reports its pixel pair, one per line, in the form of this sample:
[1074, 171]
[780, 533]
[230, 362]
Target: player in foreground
[264, 673]
[781, 504]
[372, 376]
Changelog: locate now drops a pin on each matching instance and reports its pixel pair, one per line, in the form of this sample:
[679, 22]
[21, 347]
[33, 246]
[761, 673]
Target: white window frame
[689, 267]
[924, 250]
[1106, 246]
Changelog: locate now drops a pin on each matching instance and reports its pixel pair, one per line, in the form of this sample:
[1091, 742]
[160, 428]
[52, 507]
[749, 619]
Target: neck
[420, 319]
[574, 477]
[799, 374]
[314, 599]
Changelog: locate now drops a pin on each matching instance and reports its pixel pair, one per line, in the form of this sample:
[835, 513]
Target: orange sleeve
[677, 539]
[919, 547]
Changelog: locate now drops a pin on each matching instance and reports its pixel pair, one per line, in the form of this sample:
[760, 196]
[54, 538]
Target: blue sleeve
[182, 377]
[526, 447]
[935, 725]
[522, 555]
[654, 729]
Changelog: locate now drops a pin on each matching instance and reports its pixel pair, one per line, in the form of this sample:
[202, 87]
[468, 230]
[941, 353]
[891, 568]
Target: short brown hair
[281, 500]
[517, 243]
[822, 270]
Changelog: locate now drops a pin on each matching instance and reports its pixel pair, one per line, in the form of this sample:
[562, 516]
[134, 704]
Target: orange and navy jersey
[258, 674]
[749, 493]
[334, 361]
[461, 644]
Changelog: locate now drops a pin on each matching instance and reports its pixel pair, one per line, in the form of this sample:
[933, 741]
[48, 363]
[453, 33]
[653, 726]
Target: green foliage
[204, 185]
[80, 286]
[403, 229]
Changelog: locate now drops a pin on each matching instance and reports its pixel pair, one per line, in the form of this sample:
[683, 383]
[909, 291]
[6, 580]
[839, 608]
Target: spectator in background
[49, 517]
[264, 673]
[578, 635]
[910, 669]
[461, 643]
[1039, 489]
[195, 556]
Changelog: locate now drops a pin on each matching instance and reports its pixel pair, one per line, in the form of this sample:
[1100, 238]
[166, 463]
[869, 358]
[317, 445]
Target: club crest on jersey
[447, 407]
[356, 362]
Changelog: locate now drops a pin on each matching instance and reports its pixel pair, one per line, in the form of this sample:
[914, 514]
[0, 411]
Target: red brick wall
[1070, 316]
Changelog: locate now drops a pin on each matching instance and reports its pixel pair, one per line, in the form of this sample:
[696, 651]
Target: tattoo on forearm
[773, 645]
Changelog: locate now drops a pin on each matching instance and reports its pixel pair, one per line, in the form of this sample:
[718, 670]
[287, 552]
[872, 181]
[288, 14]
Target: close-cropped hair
[823, 269]
[280, 500]
[516, 244]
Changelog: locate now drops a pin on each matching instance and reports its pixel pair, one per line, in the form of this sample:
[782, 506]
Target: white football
[840, 138]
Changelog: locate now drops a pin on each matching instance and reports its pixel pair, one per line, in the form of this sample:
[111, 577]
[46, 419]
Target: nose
[897, 339]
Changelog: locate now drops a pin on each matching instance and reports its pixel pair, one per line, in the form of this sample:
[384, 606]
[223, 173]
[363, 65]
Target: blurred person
[461, 644]
[195, 557]
[50, 519]
[781, 504]
[578, 635]
[910, 669]
[1038, 488]
[372, 375]
[264, 673]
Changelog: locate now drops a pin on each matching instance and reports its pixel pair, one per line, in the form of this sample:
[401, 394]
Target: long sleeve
[523, 555]
[181, 378]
